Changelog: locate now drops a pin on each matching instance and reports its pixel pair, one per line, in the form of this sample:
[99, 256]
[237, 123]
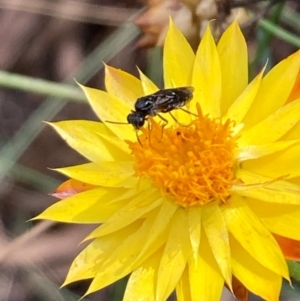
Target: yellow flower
[211, 199]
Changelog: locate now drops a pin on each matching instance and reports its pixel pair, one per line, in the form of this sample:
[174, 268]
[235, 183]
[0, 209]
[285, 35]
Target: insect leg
[163, 119]
[163, 126]
[149, 130]
[187, 111]
[175, 119]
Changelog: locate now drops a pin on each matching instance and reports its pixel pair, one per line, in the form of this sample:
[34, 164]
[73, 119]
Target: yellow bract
[198, 202]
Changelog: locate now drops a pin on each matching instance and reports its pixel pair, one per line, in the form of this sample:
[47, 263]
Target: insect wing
[170, 99]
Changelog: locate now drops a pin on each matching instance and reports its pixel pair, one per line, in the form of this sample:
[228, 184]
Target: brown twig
[18, 242]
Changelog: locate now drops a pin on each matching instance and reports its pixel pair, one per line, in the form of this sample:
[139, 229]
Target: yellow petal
[296, 181]
[142, 281]
[109, 108]
[256, 278]
[160, 225]
[292, 133]
[82, 268]
[110, 174]
[194, 219]
[241, 105]
[88, 263]
[278, 164]
[248, 152]
[280, 219]
[92, 206]
[144, 226]
[178, 59]
[285, 225]
[148, 86]
[206, 281]
[183, 291]
[207, 76]
[174, 257]
[122, 85]
[129, 213]
[218, 240]
[295, 93]
[233, 54]
[122, 260]
[267, 189]
[275, 89]
[274, 126]
[158, 242]
[253, 236]
[88, 138]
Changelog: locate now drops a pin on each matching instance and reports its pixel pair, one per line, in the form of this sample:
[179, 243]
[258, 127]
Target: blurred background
[45, 44]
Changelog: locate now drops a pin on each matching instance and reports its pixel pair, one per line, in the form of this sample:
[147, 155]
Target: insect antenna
[116, 122]
[138, 138]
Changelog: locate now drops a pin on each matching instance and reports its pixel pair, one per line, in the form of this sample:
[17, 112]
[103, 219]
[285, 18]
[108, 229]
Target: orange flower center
[193, 164]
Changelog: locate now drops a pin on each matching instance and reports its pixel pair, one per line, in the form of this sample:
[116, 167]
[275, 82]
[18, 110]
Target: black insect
[162, 101]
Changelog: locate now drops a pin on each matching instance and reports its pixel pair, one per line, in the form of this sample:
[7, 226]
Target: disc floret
[193, 164]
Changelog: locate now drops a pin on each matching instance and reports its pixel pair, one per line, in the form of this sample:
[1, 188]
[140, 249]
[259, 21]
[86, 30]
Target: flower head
[206, 197]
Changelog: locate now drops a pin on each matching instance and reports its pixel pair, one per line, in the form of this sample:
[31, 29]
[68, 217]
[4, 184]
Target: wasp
[162, 101]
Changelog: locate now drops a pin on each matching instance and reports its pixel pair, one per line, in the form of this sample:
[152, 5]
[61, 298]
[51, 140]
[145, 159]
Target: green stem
[280, 32]
[40, 86]
[37, 180]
